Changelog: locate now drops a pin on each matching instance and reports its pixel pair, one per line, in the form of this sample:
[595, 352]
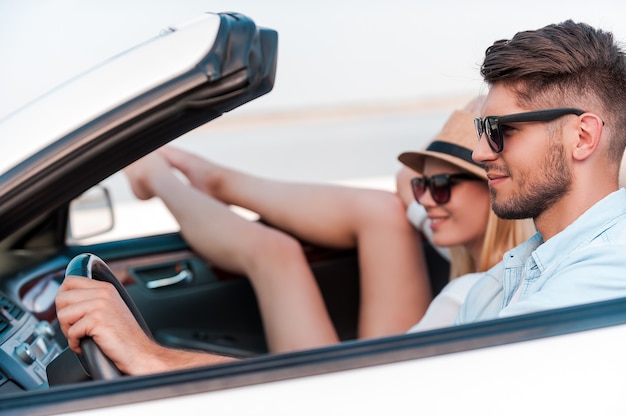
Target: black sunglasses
[439, 185]
[491, 126]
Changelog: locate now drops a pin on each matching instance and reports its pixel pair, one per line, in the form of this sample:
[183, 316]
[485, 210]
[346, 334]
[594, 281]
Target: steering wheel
[95, 362]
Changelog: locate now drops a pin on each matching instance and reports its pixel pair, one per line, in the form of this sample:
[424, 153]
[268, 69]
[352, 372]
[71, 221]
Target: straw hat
[454, 144]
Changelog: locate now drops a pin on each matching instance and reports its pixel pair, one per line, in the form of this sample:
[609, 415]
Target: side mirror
[90, 214]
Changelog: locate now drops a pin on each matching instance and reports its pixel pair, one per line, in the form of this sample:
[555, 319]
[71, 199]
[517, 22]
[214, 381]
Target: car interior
[185, 301]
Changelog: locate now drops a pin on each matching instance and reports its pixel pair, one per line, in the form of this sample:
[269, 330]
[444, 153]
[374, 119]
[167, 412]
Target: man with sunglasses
[551, 140]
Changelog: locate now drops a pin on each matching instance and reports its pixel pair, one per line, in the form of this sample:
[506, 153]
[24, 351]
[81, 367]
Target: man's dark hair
[565, 65]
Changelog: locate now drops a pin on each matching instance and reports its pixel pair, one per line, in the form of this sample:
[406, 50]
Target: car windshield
[121, 79]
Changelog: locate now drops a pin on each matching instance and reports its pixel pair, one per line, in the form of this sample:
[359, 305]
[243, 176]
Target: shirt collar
[593, 222]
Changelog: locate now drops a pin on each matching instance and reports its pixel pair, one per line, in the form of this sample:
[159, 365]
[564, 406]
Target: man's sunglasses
[491, 126]
[439, 185]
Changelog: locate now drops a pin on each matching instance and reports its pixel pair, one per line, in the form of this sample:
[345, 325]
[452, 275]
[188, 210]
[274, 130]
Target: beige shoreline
[337, 111]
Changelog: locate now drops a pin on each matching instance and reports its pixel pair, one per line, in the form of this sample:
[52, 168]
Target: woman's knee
[273, 246]
[383, 209]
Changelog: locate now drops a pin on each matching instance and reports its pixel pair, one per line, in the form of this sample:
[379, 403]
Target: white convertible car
[567, 361]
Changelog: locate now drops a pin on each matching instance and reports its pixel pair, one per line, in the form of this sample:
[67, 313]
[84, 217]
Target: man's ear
[589, 133]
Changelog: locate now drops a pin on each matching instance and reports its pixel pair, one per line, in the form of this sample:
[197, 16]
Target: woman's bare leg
[395, 289]
[292, 308]
[394, 280]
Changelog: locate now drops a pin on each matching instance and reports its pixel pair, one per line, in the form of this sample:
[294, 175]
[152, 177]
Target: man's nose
[482, 151]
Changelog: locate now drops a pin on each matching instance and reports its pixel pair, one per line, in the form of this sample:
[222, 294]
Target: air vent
[14, 311]
[4, 326]
[8, 312]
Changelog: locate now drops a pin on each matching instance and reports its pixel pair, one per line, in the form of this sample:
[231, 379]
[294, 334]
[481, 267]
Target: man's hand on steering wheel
[95, 308]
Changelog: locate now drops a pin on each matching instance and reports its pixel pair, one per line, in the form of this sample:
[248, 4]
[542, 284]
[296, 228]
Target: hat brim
[416, 160]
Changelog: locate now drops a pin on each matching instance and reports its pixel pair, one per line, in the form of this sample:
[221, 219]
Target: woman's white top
[446, 305]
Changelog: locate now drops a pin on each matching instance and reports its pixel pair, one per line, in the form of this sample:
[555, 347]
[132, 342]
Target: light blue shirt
[586, 262]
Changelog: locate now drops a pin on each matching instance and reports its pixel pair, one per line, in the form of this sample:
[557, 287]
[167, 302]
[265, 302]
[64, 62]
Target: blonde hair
[500, 236]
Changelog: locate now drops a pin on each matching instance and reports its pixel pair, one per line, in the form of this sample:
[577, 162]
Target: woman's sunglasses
[491, 126]
[439, 185]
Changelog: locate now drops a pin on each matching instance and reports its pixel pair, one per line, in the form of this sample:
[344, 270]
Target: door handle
[184, 275]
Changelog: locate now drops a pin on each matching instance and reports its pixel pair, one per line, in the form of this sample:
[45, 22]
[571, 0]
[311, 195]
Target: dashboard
[27, 346]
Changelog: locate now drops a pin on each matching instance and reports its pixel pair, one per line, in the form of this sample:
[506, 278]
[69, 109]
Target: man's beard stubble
[551, 184]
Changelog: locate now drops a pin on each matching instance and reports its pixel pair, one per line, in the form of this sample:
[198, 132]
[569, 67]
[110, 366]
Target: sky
[331, 52]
